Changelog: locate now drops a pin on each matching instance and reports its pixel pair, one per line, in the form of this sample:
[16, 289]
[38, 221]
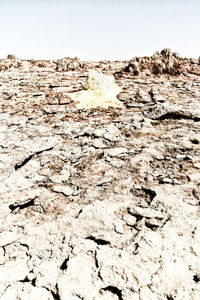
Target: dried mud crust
[98, 204]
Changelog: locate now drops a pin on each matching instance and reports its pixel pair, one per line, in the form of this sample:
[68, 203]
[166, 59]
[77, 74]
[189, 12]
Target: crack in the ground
[175, 115]
[27, 159]
[114, 290]
[80, 211]
[64, 264]
[19, 206]
[98, 241]
[96, 260]
[55, 294]
[5, 290]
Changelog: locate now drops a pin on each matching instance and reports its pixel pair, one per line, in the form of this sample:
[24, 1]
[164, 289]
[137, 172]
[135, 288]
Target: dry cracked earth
[100, 204]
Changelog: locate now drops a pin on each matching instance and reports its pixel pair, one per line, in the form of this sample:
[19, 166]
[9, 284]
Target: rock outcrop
[165, 62]
[69, 64]
[99, 204]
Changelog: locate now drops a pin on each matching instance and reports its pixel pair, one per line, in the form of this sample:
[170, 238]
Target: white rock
[47, 274]
[130, 220]
[195, 177]
[7, 238]
[14, 270]
[116, 151]
[26, 291]
[119, 227]
[2, 257]
[146, 293]
[145, 212]
[59, 178]
[142, 96]
[78, 279]
[66, 190]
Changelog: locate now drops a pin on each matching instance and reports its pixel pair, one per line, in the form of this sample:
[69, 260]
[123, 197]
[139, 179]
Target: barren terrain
[100, 204]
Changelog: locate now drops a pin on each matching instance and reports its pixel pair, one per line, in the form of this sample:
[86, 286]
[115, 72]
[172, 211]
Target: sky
[98, 29]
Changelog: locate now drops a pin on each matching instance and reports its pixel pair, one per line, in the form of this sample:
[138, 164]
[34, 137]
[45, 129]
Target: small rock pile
[69, 64]
[10, 62]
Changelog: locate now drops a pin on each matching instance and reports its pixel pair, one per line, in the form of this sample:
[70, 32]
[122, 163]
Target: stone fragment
[116, 151]
[167, 180]
[7, 238]
[12, 271]
[66, 190]
[146, 293]
[59, 178]
[98, 143]
[130, 220]
[47, 274]
[119, 227]
[2, 257]
[11, 56]
[26, 291]
[195, 177]
[133, 68]
[142, 96]
[77, 281]
[145, 212]
[156, 96]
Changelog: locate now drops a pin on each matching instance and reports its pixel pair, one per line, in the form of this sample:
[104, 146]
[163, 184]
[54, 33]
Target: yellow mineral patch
[100, 90]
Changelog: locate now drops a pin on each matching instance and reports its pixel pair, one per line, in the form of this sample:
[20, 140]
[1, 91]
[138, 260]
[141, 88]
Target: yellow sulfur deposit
[101, 90]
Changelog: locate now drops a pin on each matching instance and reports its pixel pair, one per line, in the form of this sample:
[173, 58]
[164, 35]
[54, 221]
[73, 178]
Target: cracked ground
[98, 204]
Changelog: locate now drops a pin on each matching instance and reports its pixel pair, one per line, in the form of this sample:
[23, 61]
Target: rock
[119, 227]
[69, 64]
[166, 180]
[13, 271]
[111, 133]
[66, 190]
[133, 68]
[77, 281]
[26, 291]
[195, 177]
[165, 62]
[145, 212]
[130, 220]
[47, 275]
[143, 97]
[116, 151]
[8, 238]
[162, 112]
[146, 293]
[11, 56]
[60, 178]
[2, 258]
[156, 96]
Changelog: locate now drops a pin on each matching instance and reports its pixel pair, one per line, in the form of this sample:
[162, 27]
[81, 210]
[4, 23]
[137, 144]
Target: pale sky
[98, 29]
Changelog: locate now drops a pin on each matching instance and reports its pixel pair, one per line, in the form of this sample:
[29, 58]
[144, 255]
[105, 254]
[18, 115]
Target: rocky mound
[10, 62]
[165, 62]
[69, 64]
[99, 204]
